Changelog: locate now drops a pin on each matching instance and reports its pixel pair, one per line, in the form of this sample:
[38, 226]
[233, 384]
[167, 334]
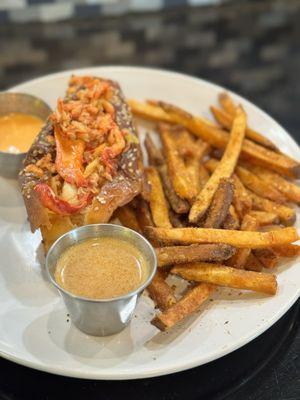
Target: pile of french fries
[219, 206]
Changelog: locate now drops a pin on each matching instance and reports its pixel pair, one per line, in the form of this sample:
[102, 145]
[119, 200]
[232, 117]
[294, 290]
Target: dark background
[251, 47]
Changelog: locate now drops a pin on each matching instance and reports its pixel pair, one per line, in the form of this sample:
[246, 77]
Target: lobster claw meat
[59, 206]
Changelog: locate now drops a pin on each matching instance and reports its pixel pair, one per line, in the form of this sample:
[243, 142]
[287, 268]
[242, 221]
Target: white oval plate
[34, 326]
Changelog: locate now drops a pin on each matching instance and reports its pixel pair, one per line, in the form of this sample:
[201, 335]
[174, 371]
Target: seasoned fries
[226, 102]
[179, 176]
[239, 259]
[226, 119]
[179, 205]
[158, 203]
[220, 204]
[287, 188]
[253, 263]
[188, 304]
[259, 186]
[221, 275]
[267, 257]
[196, 252]
[127, 217]
[264, 218]
[237, 202]
[231, 221]
[224, 169]
[252, 152]
[286, 215]
[288, 250]
[242, 239]
[155, 157]
[241, 199]
[160, 292]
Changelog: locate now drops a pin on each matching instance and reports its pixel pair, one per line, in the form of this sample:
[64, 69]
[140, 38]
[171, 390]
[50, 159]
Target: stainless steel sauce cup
[101, 317]
[11, 163]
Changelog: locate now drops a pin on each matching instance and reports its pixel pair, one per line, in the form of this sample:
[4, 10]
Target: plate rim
[101, 374]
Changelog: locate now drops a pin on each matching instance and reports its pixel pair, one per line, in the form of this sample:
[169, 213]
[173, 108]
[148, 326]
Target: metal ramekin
[11, 163]
[101, 317]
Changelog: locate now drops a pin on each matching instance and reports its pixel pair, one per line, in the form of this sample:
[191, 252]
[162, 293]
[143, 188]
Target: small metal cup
[11, 163]
[101, 317]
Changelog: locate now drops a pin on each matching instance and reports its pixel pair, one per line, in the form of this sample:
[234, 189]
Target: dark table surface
[249, 47]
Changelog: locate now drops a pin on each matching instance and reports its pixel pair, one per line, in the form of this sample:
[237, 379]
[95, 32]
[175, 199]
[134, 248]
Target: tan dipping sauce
[18, 131]
[101, 268]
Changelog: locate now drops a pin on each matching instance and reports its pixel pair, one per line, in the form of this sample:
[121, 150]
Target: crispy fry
[143, 214]
[179, 205]
[193, 253]
[253, 263]
[220, 204]
[290, 190]
[155, 156]
[259, 186]
[287, 250]
[180, 178]
[192, 152]
[160, 292]
[188, 304]
[226, 102]
[158, 203]
[267, 257]
[231, 221]
[225, 119]
[221, 275]
[264, 218]
[241, 199]
[242, 239]
[224, 169]
[287, 215]
[251, 151]
[128, 218]
[239, 259]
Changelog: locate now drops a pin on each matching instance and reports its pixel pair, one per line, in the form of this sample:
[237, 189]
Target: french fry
[224, 169]
[287, 250]
[242, 239]
[227, 103]
[259, 186]
[180, 179]
[220, 204]
[143, 214]
[196, 252]
[192, 152]
[290, 190]
[226, 120]
[241, 199]
[128, 218]
[221, 275]
[253, 263]
[187, 305]
[264, 218]
[155, 156]
[179, 205]
[160, 292]
[268, 257]
[287, 215]
[232, 220]
[158, 203]
[239, 259]
[256, 154]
